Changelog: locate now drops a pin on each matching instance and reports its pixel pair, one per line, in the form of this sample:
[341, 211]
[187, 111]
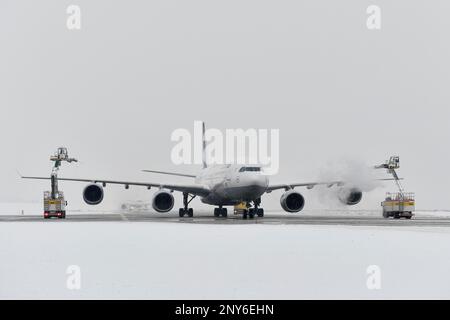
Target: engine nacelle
[350, 196]
[93, 194]
[292, 201]
[163, 201]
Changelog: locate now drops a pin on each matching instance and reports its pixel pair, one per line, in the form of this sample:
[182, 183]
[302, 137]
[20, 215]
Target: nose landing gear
[251, 212]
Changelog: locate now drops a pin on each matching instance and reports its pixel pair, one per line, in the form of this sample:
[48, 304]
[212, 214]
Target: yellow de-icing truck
[398, 205]
[54, 202]
[54, 206]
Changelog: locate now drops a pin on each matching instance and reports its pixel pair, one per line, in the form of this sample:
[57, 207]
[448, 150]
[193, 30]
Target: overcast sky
[114, 91]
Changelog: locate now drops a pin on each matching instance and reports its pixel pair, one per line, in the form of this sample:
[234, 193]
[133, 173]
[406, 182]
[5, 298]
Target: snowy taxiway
[270, 218]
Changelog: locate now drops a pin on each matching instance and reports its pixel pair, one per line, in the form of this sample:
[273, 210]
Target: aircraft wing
[192, 189]
[310, 185]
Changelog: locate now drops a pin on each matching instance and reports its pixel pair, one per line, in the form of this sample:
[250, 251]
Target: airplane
[220, 186]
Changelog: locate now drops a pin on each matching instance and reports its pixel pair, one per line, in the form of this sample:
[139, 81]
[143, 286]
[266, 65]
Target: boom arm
[390, 165]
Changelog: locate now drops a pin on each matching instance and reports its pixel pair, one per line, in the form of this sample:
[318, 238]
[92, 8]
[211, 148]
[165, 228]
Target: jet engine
[292, 201]
[350, 196]
[93, 194]
[163, 201]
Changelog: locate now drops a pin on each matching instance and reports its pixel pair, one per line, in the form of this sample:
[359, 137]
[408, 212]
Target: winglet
[18, 172]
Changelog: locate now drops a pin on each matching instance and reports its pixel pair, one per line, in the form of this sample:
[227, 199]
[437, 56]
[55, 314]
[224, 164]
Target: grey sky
[137, 70]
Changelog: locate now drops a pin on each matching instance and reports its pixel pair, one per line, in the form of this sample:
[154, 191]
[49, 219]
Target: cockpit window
[254, 169]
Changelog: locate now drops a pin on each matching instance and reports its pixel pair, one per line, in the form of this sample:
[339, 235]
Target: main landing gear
[251, 212]
[220, 212]
[186, 210]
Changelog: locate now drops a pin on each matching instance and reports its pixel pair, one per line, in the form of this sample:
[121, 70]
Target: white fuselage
[232, 184]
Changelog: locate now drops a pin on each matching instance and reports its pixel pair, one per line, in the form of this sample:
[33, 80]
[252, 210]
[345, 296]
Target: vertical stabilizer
[204, 145]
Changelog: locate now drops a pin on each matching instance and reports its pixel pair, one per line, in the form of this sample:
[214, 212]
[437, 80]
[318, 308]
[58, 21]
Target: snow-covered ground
[191, 261]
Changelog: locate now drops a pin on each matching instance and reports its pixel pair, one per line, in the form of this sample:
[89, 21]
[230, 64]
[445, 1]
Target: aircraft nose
[253, 180]
[259, 182]
[252, 186]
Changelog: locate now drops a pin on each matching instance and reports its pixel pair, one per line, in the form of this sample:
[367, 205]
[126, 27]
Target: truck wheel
[385, 215]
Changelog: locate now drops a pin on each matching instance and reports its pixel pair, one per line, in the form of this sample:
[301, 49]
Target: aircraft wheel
[260, 212]
[251, 213]
[181, 212]
[216, 212]
[223, 212]
[190, 212]
[244, 214]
